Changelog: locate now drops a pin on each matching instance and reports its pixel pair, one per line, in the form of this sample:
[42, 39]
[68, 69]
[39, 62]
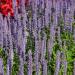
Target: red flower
[6, 9]
[6, 6]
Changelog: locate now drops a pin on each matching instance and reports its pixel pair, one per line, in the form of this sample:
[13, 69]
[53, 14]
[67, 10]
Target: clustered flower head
[6, 6]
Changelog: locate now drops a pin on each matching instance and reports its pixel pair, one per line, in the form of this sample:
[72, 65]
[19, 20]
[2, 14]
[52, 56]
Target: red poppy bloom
[6, 6]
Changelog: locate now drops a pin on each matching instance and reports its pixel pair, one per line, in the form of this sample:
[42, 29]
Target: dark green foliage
[30, 44]
[47, 31]
[69, 50]
[16, 63]
[25, 69]
[51, 66]
[4, 56]
[34, 72]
